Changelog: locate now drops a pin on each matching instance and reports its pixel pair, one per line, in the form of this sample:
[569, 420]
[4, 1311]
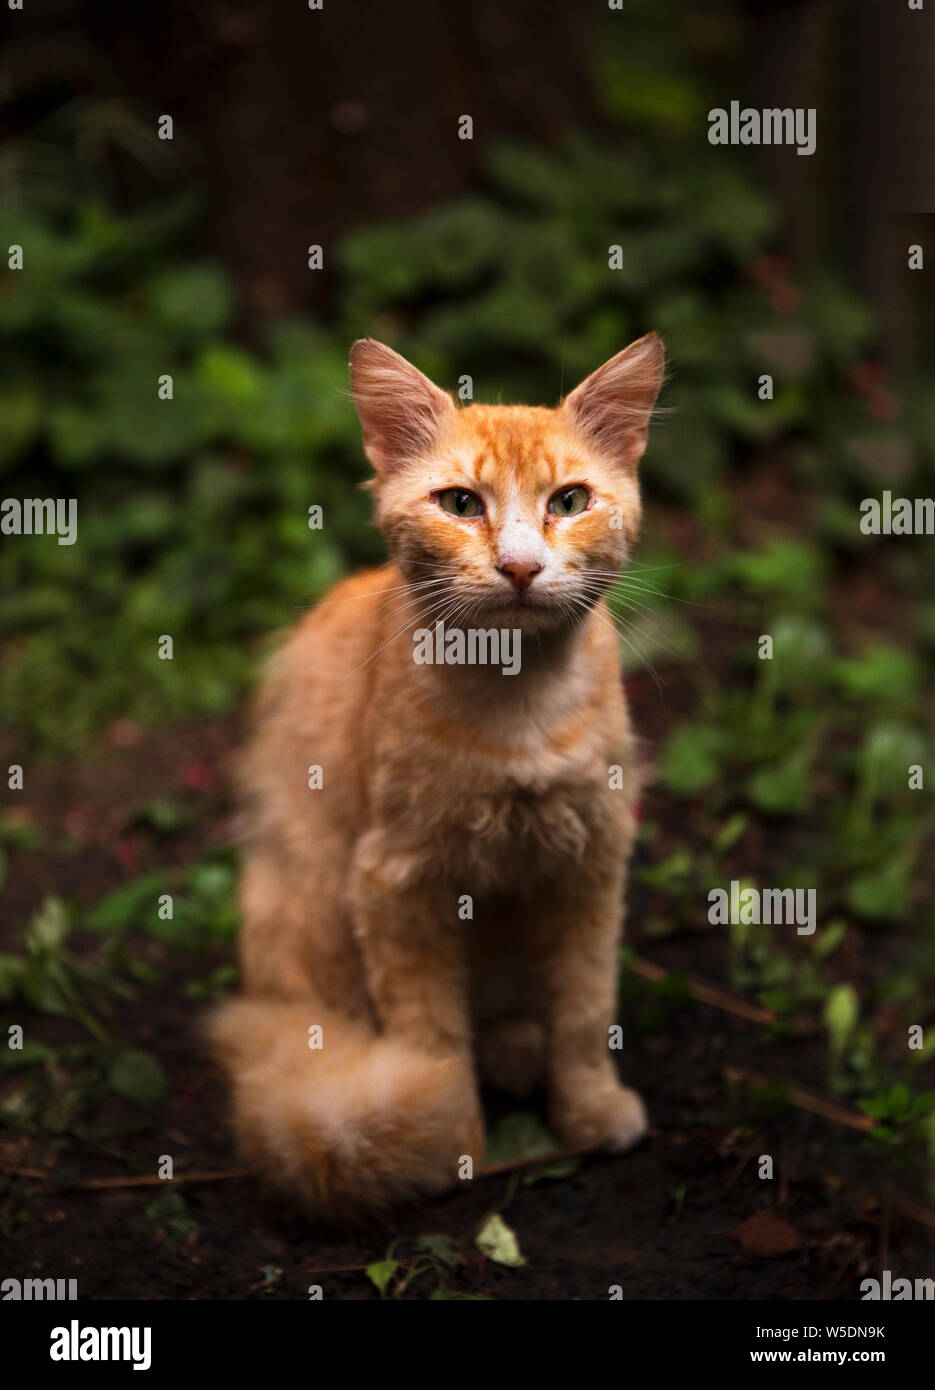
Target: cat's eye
[459, 502]
[569, 501]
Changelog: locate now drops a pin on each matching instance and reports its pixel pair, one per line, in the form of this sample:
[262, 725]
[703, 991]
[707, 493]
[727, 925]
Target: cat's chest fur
[502, 839]
[493, 814]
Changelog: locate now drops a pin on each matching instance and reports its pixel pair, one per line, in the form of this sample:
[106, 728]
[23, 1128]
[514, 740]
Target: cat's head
[507, 516]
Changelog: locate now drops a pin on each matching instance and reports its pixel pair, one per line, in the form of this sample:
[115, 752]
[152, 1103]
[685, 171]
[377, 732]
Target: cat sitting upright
[433, 890]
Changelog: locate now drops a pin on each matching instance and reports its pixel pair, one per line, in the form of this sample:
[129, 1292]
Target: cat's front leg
[588, 1106]
[415, 966]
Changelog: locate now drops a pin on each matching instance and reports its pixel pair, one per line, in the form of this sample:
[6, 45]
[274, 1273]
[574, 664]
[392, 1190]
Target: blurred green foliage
[193, 512]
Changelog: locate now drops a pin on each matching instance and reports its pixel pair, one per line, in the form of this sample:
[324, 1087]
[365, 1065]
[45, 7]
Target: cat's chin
[526, 613]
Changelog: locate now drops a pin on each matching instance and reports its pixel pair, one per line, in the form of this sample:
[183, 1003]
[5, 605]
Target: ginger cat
[447, 904]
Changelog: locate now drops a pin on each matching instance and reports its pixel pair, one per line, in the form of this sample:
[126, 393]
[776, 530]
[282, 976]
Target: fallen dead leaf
[765, 1235]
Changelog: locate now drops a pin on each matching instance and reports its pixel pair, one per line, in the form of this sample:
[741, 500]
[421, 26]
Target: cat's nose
[520, 573]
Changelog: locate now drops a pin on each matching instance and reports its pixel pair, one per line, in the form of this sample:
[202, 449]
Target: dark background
[292, 120]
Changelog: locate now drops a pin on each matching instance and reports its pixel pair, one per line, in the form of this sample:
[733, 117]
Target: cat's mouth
[521, 600]
[533, 608]
[528, 608]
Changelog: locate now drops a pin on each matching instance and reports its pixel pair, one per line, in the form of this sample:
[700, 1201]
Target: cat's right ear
[613, 406]
[401, 412]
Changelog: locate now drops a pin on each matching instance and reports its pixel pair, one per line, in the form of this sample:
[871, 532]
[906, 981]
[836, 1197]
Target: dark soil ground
[666, 1222]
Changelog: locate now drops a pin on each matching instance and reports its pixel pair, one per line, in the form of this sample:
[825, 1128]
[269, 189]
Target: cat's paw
[611, 1118]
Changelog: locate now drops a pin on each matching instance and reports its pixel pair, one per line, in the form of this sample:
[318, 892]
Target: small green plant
[896, 1110]
[432, 1257]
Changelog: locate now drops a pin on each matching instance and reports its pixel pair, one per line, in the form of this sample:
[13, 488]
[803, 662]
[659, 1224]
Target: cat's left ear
[614, 404]
[401, 412]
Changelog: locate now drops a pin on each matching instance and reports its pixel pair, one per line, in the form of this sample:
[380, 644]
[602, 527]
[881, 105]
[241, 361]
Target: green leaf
[190, 299]
[883, 894]
[898, 1105]
[381, 1273]
[523, 1135]
[730, 832]
[671, 873]
[212, 880]
[828, 941]
[137, 1076]
[785, 569]
[691, 758]
[125, 905]
[520, 1135]
[889, 750]
[231, 375]
[28, 1055]
[164, 815]
[882, 673]
[801, 652]
[12, 973]
[43, 988]
[439, 1247]
[48, 928]
[785, 787]
[842, 1009]
[498, 1242]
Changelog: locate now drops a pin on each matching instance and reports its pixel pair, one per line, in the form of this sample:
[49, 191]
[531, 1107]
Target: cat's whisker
[636, 606]
[435, 566]
[376, 593]
[629, 566]
[623, 580]
[415, 615]
[611, 598]
[621, 636]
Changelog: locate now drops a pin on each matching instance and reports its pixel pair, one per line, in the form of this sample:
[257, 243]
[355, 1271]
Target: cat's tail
[349, 1127]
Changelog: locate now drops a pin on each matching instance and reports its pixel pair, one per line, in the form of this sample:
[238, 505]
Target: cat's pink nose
[520, 573]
